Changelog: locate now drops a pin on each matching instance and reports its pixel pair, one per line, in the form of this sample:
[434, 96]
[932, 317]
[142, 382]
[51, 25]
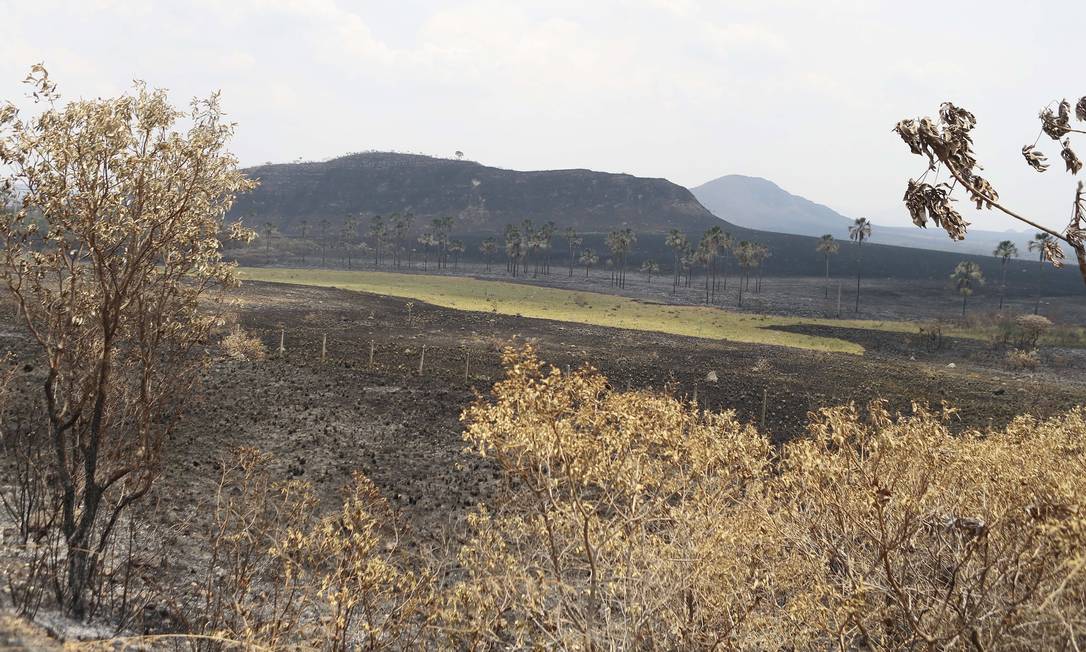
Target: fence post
[282, 341]
[371, 354]
[765, 401]
[422, 359]
[324, 347]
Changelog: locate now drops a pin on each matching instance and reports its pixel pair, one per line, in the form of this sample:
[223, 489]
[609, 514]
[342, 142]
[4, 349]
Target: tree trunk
[1040, 278]
[827, 276]
[1003, 284]
[859, 271]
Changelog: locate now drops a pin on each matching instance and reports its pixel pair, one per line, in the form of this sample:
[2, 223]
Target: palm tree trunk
[827, 276]
[964, 297]
[859, 271]
[1040, 274]
[1003, 284]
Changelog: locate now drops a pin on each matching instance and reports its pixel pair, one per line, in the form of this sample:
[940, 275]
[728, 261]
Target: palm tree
[1038, 244]
[967, 277]
[573, 241]
[526, 247]
[710, 242]
[761, 252]
[487, 247]
[427, 240]
[507, 243]
[349, 233]
[442, 226]
[269, 228]
[588, 259]
[1005, 251]
[546, 234]
[650, 267]
[704, 255]
[677, 242]
[687, 259]
[827, 246]
[456, 247]
[512, 248]
[719, 242]
[379, 233]
[400, 224]
[723, 242]
[628, 238]
[858, 232]
[744, 255]
[614, 245]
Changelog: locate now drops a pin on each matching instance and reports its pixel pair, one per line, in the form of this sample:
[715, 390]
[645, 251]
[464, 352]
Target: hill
[757, 203]
[481, 199]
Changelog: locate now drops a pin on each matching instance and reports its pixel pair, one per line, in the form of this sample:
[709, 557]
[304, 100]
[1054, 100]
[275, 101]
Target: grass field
[524, 300]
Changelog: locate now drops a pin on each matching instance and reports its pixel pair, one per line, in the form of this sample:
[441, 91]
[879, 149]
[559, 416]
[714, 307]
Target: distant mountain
[479, 198]
[757, 203]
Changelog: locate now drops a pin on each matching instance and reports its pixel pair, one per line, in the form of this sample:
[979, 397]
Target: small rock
[711, 377]
[951, 366]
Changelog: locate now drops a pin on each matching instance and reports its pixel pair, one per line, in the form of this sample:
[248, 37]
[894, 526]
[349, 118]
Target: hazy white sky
[801, 92]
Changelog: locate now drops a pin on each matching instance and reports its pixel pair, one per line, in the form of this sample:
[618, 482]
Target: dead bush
[280, 575]
[636, 521]
[240, 345]
[1019, 359]
[931, 336]
[1030, 329]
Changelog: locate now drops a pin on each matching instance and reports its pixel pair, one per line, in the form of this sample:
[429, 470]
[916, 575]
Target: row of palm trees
[528, 245]
[388, 240]
[967, 275]
[711, 253]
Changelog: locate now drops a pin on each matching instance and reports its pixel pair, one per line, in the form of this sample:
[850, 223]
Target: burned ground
[325, 419]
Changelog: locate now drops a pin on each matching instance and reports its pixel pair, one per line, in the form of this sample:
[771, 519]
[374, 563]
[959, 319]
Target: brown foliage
[947, 143]
[635, 520]
[114, 245]
[282, 576]
[240, 345]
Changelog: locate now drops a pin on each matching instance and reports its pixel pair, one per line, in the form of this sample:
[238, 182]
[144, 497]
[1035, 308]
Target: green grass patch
[462, 293]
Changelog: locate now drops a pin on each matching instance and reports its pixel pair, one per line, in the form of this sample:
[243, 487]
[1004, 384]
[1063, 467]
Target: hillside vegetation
[478, 197]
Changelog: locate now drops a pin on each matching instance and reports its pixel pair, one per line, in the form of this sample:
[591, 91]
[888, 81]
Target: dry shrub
[632, 520]
[907, 536]
[282, 576]
[1030, 329]
[931, 335]
[1019, 359]
[241, 345]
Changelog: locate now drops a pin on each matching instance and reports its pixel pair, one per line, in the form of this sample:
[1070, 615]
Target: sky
[803, 93]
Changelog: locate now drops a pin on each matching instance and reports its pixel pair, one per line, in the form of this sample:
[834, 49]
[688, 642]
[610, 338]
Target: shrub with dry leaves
[636, 520]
